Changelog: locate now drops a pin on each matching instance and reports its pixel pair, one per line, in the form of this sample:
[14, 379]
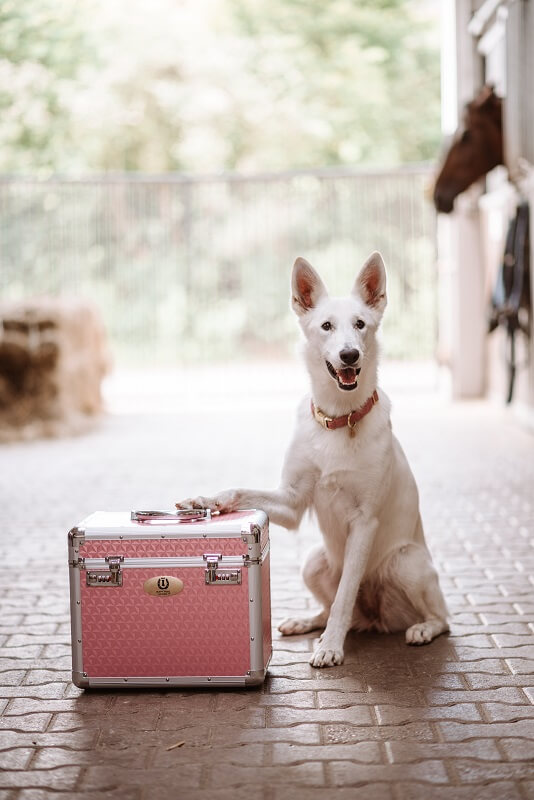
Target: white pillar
[468, 289]
[463, 313]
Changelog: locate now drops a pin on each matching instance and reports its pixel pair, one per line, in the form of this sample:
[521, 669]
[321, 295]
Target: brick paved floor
[454, 719]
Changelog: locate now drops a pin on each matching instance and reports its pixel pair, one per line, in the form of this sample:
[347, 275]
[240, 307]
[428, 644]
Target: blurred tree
[344, 81]
[43, 47]
[206, 85]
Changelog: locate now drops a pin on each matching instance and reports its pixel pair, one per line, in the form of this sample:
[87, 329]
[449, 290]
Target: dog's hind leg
[319, 580]
[432, 606]
[411, 595]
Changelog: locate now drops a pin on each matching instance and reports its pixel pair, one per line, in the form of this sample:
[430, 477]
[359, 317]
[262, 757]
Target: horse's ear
[370, 284]
[486, 96]
[485, 105]
[483, 96]
[306, 287]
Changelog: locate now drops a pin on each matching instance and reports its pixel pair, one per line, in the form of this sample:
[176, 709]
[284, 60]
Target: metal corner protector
[80, 679]
[255, 677]
[76, 536]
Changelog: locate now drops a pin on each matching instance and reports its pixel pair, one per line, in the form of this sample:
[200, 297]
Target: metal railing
[189, 268]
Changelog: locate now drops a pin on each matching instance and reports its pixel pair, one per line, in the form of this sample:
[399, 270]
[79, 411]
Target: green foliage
[43, 47]
[206, 85]
[360, 79]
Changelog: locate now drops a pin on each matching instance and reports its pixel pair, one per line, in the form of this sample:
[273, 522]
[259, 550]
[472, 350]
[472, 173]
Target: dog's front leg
[284, 506]
[357, 549]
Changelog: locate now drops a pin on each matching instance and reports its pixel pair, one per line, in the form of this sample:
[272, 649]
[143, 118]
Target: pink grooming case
[170, 599]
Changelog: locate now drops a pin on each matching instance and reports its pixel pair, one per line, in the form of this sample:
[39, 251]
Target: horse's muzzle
[443, 202]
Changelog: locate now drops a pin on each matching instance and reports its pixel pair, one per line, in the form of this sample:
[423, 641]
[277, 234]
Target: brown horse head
[477, 147]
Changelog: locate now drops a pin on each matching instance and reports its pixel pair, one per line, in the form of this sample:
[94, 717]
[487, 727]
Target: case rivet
[251, 638]
[167, 680]
[79, 641]
[77, 602]
[251, 599]
[209, 679]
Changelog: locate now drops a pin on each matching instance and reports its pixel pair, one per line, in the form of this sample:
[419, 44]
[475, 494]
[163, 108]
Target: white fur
[373, 570]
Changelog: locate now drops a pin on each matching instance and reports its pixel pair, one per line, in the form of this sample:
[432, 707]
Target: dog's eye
[326, 326]
[359, 324]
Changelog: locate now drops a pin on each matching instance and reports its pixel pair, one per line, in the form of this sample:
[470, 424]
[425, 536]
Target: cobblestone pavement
[452, 720]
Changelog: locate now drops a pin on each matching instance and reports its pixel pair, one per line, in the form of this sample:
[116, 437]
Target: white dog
[373, 571]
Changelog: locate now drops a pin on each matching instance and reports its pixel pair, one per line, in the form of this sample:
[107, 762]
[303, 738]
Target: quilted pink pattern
[204, 630]
[162, 548]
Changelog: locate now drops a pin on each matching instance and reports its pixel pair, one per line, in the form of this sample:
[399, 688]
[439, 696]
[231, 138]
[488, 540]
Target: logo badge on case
[163, 586]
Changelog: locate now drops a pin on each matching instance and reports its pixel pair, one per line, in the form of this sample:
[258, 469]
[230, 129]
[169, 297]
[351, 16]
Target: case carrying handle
[180, 515]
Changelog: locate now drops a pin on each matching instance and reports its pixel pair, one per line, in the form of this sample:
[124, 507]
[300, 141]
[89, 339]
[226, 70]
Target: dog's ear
[371, 282]
[306, 287]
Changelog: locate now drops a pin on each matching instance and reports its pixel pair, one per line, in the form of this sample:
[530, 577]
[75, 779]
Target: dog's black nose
[349, 357]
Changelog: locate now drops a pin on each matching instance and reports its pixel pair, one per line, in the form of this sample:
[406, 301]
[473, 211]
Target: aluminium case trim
[76, 620]
[252, 678]
[173, 561]
[255, 617]
[253, 525]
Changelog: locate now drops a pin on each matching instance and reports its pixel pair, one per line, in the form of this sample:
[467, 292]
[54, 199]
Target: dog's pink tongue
[347, 375]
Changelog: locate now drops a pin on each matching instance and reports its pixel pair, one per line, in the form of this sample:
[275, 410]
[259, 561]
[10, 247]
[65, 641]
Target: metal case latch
[213, 575]
[110, 577]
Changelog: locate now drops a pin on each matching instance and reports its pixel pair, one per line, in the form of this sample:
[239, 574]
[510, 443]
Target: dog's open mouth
[347, 377]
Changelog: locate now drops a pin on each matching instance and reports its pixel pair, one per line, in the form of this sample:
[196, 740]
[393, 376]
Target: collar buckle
[321, 417]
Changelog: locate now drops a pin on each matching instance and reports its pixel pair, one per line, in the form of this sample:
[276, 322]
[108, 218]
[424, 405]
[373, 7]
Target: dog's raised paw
[193, 502]
[421, 633]
[324, 657]
[225, 501]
